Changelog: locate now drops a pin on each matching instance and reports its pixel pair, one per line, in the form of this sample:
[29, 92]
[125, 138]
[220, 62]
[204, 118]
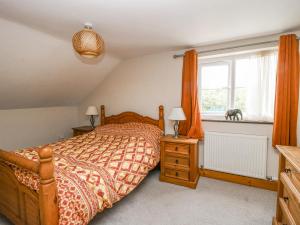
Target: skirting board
[249, 181]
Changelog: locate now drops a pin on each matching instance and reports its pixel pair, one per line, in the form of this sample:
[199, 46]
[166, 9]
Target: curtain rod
[228, 48]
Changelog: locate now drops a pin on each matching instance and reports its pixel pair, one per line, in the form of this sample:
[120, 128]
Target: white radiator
[236, 153]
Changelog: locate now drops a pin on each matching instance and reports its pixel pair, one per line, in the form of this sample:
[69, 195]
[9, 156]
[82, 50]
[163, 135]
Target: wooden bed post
[161, 121]
[102, 115]
[47, 192]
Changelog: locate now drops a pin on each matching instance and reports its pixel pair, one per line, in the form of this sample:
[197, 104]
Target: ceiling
[38, 67]
[133, 28]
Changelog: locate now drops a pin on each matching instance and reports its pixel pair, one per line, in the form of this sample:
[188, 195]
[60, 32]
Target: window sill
[237, 121]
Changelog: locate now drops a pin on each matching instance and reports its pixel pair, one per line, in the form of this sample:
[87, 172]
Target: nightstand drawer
[178, 174]
[177, 160]
[177, 148]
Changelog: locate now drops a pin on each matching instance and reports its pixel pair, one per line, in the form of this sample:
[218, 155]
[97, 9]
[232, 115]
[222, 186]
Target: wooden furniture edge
[190, 184]
[275, 222]
[286, 212]
[288, 196]
[48, 188]
[281, 167]
[285, 151]
[249, 181]
[290, 188]
[19, 161]
[12, 194]
[84, 128]
[47, 195]
[180, 139]
[126, 117]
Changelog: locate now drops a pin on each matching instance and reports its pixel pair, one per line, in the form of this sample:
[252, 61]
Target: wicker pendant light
[88, 43]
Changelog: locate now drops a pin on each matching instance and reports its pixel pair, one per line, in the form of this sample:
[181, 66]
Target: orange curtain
[192, 126]
[287, 92]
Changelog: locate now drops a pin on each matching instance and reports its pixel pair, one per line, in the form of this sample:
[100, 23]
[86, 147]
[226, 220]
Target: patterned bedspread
[97, 169]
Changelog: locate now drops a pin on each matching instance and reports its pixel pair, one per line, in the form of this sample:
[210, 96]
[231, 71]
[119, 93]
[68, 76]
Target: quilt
[95, 170]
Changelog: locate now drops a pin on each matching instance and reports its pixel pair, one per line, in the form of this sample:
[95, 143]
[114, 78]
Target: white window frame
[211, 63]
[231, 84]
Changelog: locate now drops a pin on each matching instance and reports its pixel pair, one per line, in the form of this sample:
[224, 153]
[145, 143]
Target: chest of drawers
[179, 161]
[288, 199]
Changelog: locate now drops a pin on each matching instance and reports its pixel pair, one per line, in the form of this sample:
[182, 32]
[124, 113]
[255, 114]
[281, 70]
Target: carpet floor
[212, 203]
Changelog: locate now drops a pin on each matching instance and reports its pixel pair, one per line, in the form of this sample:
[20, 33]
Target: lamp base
[92, 120]
[176, 124]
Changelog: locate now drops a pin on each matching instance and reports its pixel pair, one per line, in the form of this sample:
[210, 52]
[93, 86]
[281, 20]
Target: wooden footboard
[22, 205]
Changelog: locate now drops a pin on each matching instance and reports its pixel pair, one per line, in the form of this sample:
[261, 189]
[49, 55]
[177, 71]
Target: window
[242, 81]
[215, 87]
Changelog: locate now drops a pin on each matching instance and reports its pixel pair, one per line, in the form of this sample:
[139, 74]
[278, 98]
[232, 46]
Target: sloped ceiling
[39, 68]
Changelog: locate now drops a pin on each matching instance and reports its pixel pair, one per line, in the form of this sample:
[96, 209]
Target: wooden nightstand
[179, 160]
[82, 130]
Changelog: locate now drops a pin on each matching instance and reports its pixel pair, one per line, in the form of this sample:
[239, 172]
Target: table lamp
[92, 111]
[176, 115]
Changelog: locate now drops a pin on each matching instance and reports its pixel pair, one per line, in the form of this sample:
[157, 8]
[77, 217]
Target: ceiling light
[87, 42]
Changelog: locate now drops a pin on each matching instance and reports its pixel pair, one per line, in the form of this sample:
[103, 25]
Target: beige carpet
[212, 203]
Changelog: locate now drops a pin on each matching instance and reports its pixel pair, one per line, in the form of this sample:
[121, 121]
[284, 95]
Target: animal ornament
[234, 114]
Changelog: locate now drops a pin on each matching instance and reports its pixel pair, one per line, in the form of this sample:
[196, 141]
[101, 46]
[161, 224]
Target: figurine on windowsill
[234, 114]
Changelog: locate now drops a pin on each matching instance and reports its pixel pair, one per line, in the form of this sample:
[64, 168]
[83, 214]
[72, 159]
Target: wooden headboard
[126, 117]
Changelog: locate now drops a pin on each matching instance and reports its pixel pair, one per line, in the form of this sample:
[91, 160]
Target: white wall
[140, 85]
[21, 128]
[143, 83]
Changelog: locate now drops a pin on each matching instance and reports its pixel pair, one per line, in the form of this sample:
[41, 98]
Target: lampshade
[91, 111]
[177, 114]
[87, 42]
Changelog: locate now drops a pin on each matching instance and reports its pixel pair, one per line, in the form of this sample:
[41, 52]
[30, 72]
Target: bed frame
[126, 117]
[23, 206]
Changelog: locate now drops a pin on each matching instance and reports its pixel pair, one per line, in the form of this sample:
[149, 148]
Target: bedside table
[82, 130]
[179, 160]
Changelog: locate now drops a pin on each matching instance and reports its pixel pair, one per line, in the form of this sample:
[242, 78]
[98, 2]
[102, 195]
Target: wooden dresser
[179, 161]
[82, 130]
[288, 201]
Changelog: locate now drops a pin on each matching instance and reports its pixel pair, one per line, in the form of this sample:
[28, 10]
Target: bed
[70, 181]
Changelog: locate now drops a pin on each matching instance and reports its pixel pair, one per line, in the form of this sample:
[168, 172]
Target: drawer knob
[286, 199]
[287, 171]
[176, 148]
[176, 174]
[176, 161]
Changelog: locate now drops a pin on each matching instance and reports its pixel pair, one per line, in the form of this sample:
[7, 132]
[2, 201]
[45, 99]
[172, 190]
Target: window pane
[240, 98]
[214, 76]
[214, 88]
[214, 101]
